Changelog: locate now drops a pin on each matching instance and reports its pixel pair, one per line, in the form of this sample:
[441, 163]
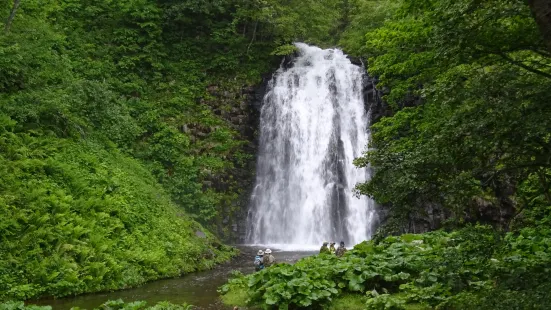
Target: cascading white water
[313, 124]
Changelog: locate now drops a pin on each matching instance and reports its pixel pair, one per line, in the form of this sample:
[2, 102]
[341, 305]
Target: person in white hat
[269, 259]
[258, 261]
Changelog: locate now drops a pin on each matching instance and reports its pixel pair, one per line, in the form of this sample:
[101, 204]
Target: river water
[198, 289]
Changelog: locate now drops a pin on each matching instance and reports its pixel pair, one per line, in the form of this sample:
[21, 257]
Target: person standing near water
[324, 249]
[259, 260]
[341, 250]
[269, 259]
[332, 248]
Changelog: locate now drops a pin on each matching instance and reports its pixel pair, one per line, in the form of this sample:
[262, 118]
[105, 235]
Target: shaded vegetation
[118, 304]
[466, 83]
[80, 218]
[472, 268]
[118, 133]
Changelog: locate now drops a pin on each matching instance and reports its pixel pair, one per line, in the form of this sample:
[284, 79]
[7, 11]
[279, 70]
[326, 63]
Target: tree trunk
[541, 9]
[254, 36]
[544, 185]
[12, 15]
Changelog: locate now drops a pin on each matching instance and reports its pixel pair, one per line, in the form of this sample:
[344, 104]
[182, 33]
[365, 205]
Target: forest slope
[115, 142]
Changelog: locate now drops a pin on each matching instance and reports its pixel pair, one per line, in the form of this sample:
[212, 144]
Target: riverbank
[475, 267]
[198, 289]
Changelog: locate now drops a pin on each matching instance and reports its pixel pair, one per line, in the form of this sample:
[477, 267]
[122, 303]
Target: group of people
[263, 259]
[331, 250]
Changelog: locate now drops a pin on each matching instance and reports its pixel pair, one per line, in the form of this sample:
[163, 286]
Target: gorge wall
[240, 103]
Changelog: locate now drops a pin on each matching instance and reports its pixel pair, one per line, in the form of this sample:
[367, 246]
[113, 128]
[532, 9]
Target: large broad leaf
[283, 307]
[271, 299]
[403, 275]
[305, 302]
[354, 285]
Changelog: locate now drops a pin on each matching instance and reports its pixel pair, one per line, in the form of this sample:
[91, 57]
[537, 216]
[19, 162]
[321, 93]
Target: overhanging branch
[14, 8]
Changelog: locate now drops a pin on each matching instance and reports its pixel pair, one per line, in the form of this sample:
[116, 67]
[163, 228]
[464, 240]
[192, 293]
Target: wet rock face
[240, 106]
[358, 61]
[373, 98]
[246, 120]
[200, 234]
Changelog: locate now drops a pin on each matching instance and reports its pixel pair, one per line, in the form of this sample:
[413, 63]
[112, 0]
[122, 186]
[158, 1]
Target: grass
[357, 302]
[235, 297]
[348, 302]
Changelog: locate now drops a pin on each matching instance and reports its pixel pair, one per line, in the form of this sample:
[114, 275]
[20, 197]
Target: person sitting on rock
[268, 259]
[258, 260]
[332, 248]
[341, 250]
[324, 249]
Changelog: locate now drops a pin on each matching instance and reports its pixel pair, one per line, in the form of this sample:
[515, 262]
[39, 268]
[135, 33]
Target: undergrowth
[118, 304]
[79, 218]
[472, 268]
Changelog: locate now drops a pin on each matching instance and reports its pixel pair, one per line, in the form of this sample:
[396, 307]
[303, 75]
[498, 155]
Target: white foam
[313, 124]
[282, 247]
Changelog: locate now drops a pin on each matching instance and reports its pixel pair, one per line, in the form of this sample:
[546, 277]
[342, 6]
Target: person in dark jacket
[340, 250]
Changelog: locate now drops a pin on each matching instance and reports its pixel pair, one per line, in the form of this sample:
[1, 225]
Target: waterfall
[313, 124]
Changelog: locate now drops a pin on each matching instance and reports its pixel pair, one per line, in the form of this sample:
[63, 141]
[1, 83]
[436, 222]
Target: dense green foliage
[138, 75]
[80, 218]
[118, 133]
[120, 138]
[118, 304]
[466, 87]
[467, 83]
[472, 268]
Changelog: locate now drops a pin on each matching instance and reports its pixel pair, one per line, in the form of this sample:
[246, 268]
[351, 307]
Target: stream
[198, 289]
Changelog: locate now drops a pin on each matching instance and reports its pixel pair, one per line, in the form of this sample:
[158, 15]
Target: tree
[468, 87]
[541, 9]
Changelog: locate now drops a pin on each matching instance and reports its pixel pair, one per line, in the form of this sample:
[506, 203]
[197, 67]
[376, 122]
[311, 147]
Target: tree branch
[525, 67]
[12, 15]
[254, 36]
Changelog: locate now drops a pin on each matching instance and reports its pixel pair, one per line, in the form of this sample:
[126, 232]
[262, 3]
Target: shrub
[471, 268]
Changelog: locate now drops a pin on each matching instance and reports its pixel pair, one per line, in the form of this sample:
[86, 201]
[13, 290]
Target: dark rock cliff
[239, 105]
